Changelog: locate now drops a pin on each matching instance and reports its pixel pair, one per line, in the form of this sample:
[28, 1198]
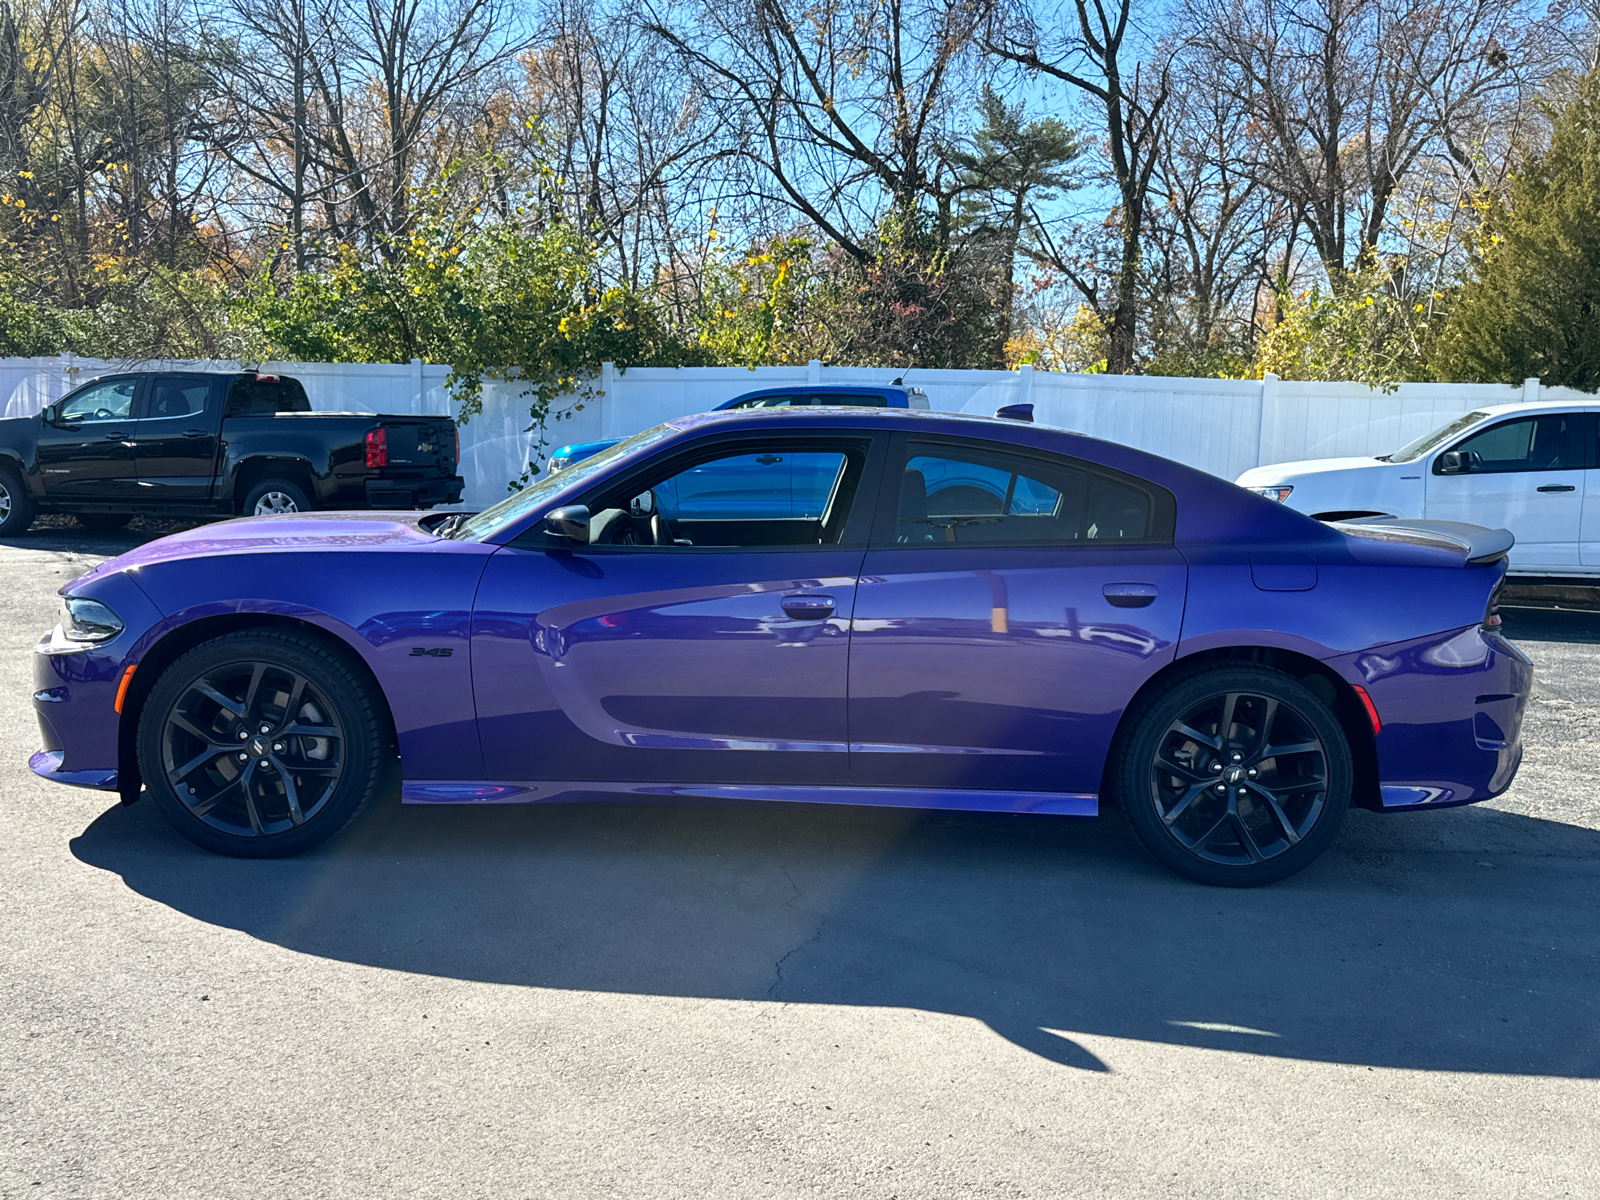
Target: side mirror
[570, 521]
[1454, 462]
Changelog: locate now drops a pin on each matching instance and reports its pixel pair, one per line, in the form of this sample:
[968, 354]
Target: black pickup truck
[175, 443]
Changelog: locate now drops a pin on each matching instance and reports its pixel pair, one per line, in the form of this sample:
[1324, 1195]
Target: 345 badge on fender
[431, 651]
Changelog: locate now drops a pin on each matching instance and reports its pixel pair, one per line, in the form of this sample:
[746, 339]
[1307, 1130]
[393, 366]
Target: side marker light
[122, 688]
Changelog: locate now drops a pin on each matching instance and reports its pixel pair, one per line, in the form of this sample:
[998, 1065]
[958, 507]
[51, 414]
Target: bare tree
[1097, 50]
[840, 106]
[1348, 97]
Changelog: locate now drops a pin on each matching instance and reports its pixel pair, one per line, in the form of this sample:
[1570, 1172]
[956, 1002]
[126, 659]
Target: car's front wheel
[16, 506]
[1235, 776]
[261, 743]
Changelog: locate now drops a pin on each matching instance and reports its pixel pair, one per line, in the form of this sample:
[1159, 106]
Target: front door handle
[1558, 487]
[1129, 595]
[196, 433]
[808, 608]
[118, 436]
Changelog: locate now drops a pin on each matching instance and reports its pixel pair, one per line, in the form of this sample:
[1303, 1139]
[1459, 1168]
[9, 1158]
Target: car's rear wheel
[102, 522]
[271, 497]
[16, 506]
[261, 743]
[1235, 776]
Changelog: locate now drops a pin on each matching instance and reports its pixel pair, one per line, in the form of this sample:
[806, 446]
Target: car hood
[292, 533]
[1285, 472]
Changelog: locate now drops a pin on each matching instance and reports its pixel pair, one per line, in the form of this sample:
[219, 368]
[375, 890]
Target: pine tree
[1533, 308]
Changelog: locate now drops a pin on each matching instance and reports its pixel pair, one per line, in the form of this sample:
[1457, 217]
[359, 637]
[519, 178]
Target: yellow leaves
[1417, 308]
[24, 174]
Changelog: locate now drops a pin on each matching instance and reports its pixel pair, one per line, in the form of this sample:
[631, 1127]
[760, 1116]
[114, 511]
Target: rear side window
[178, 397]
[975, 495]
[264, 397]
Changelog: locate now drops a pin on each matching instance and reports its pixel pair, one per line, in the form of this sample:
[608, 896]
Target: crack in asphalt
[777, 967]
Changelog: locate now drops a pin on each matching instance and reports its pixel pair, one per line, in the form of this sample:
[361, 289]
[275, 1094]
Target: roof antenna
[1015, 412]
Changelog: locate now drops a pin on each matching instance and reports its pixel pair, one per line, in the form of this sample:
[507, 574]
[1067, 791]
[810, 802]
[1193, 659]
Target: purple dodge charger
[826, 605]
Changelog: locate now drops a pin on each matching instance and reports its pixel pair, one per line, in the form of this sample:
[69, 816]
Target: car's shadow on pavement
[1461, 940]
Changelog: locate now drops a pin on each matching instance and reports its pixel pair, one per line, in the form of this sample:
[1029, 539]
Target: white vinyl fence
[1224, 426]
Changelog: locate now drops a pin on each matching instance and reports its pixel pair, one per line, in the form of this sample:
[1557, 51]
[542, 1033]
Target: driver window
[1530, 444]
[109, 401]
[783, 495]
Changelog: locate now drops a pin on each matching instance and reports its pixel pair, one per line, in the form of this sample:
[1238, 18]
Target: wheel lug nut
[1222, 787]
[244, 758]
[1216, 766]
[1238, 758]
[1251, 772]
[277, 748]
[268, 729]
[243, 735]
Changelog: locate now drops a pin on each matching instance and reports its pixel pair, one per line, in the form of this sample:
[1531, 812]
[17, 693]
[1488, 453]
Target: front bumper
[73, 692]
[1451, 708]
[414, 493]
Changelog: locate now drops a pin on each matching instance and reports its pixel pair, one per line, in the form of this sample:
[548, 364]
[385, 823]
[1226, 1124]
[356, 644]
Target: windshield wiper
[447, 527]
[1384, 457]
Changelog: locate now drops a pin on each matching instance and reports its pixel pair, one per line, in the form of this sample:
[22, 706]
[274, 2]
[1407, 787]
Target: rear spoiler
[1480, 546]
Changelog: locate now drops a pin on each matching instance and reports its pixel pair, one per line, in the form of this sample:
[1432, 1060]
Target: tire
[190, 743]
[271, 497]
[1272, 816]
[16, 506]
[102, 522]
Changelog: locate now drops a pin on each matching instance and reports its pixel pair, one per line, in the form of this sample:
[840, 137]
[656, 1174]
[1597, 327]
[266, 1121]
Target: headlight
[85, 620]
[1279, 493]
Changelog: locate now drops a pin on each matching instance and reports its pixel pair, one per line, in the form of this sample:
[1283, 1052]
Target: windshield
[1416, 449]
[481, 525]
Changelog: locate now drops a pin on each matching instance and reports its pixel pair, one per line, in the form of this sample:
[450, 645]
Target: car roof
[801, 389]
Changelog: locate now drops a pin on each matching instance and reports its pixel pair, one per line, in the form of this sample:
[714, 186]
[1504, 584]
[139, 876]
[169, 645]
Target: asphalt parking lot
[796, 1001]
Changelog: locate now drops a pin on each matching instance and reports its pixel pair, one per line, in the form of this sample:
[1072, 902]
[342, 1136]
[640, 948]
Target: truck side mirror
[1454, 462]
[570, 521]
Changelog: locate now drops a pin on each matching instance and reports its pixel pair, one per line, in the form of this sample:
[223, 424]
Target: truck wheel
[273, 496]
[16, 506]
[102, 522]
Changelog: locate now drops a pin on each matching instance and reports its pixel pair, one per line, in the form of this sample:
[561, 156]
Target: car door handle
[118, 436]
[1558, 487]
[1129, 595]
[808, 608]
[196, 433]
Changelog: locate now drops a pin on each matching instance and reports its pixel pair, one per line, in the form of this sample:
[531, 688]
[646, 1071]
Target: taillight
[458, 444]
[378, 447]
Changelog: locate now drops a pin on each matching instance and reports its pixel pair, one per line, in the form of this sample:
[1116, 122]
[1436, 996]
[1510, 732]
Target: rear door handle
[1129, 595]
[1558, 487]
[196, 433]
[118, 436]
[808, 608]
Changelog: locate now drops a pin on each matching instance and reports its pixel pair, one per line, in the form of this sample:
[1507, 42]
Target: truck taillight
[378, 447]
[458, 445]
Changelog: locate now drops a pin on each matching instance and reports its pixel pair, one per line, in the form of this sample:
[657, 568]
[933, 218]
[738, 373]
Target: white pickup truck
[1531, 468]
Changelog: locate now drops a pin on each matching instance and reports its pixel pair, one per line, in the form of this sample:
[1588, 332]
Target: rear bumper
[1451, 708]
[413, 493]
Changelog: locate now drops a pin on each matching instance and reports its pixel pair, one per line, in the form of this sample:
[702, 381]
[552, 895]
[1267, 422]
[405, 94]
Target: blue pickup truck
[865, 395]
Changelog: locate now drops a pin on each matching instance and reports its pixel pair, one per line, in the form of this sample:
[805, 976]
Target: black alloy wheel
[1236, 776]
[261, 744]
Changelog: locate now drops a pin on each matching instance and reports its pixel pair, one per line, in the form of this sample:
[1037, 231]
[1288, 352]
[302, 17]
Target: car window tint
[771, 402]
[109, 401]
[785, 495]
[178, 397]
[1531, 444]
[751, 487]
[263, 398]
[993, 497]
